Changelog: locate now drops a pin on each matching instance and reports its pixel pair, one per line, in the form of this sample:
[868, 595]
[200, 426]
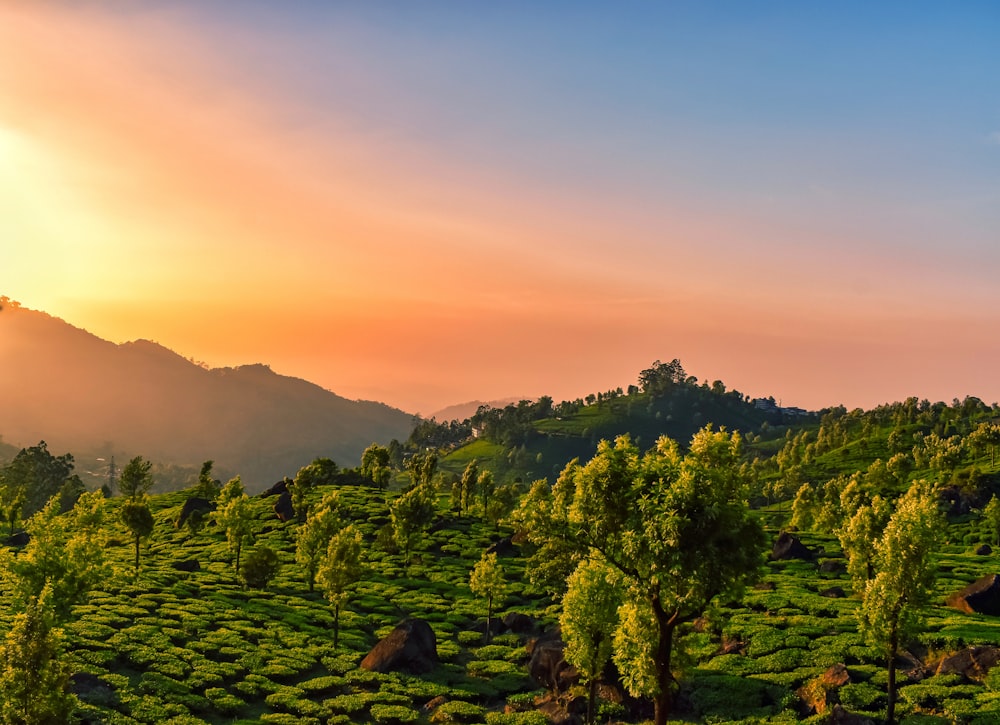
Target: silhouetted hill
[464, 411]
[91, 397]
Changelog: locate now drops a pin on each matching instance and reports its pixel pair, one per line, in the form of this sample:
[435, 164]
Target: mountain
[464, 411]
[96, 399]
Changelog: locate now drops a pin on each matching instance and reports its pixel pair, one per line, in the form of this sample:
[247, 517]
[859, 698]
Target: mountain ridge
[95, 398]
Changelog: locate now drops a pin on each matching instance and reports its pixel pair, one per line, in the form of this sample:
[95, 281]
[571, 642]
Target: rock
[833, 566]
[194, 506]
[504, 547]
[820, 695]
[834, 593]
[788, 546]
[410, 647]
[434, 704]
[984, 550]
[519, 623]
[277, 489]
[972, 663]
[283, 507]
[547, 665]
[188, 565]
[980, 597]
[21, 538]
[840, 716]
[765, 586]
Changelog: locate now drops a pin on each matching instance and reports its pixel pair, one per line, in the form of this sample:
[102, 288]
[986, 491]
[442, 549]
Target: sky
[426, 203]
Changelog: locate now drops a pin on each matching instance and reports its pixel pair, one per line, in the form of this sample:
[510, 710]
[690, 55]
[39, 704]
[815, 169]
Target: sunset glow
[431, 206]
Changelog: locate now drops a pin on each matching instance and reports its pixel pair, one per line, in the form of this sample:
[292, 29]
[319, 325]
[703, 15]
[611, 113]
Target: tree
[375, 465]
[136, 478]
[321, 472]
[34, 681]
[207, 487]
[903, 580]
[422, 467]
[676, 528]
[12, 499]
[232, 490]
[589, 617]
[38, 474]
[487, 487]
[65, 554]
[410, 514]
[340, 570]
[487, 581]
[470, 477]
[859, 540]
[313, 537]
[234, 517]
[986, 435]
[138, 519]
[991, 515]
[259, 567]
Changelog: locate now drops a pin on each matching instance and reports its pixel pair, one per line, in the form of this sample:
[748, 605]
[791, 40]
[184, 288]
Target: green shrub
[458, 711]
[393, 714]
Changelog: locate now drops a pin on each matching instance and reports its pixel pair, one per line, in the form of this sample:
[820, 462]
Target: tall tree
[208, 487]
[411, 513]
[340, 570]
[488, 581]
[235, 518]
[375, 465]
[313, 537]
[136, 478]
[588, 619]
[34, 679]
[676, 527]
[37, 474]
[467, 485]
[138, 519]
[321, 472]
[903, 581]
[991, 515]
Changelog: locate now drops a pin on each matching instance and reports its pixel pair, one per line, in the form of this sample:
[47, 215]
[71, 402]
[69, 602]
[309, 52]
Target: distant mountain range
[464, 411]
[96, 399]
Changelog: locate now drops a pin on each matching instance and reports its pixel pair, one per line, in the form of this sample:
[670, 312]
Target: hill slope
[94, 398]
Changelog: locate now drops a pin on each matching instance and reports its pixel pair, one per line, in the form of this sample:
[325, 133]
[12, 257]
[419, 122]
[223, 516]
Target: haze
[426, 203]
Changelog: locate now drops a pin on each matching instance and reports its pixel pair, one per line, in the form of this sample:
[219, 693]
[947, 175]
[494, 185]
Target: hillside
[97, 399]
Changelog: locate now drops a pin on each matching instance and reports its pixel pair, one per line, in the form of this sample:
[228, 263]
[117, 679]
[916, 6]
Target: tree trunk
[489, 616]
[890, 710]
[591, 700]
[664, 649]
[137, 539]
[336, 625]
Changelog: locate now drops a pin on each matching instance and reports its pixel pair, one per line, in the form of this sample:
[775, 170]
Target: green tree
[676, 527]
[904, 575]
[986, 436]
[38, 474]
[589, 617]
[12, 500]
[136, 478]
[235, 518]
[321, 472]
[65, 554]
[207, 487]
[138, 519]
[991, 515]
[487, 487]
[467, 485]
[859, 540]
[232, 490]
[422, 467]
[488, 581]
[259, 567]
[410, 514]
[375, 465]
[313, 537]
[340, 570]
[34, 680]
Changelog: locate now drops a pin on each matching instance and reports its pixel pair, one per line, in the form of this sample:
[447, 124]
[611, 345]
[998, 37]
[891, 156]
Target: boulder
[283, 507]
[984, 550]
[188, 565]
[92, 690]
[972, 663]
[410, 647]
[277, 489]
[820, 695]
[519, 623]
[834, 593]
[833, 566]
[504, 547]
[194, 506]
[788, 546]
[980, 597]
[547, 665]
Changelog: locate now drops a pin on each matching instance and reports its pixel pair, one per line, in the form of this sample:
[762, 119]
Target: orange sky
[156, 182]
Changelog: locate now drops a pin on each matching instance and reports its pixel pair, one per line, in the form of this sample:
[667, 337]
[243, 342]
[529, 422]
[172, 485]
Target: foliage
[259, 567]
[487, 581]
[234, 517]
[411, 513]
[321, 472]
[313, 536]
[34, 678]
[207, 487]
[136, 478]
[138, 519]
[340, 570]
[376, 465]
[33, 477]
